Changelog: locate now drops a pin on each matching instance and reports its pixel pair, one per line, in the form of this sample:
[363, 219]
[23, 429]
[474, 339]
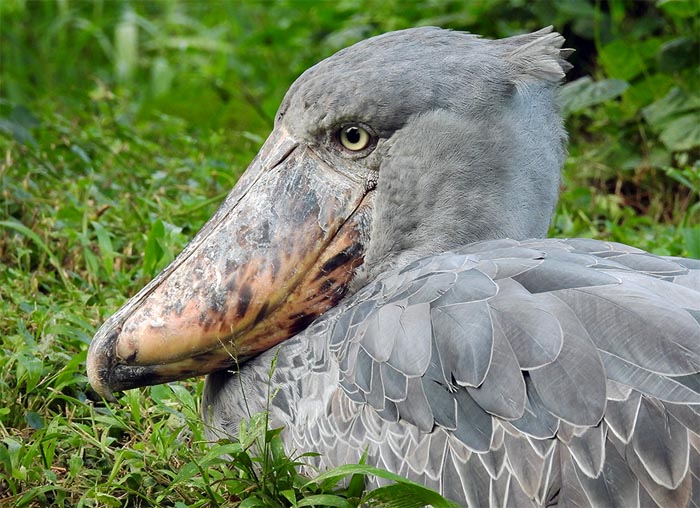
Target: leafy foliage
[124, 124]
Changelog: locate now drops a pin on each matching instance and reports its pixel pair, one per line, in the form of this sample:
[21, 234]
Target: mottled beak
[279, 252]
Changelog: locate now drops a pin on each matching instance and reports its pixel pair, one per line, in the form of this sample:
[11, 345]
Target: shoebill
[387, 246]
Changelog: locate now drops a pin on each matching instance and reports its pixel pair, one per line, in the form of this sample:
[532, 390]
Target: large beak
[279, 252]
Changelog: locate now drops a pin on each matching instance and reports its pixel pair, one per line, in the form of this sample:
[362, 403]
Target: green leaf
[104, 241]
[682, 133]
[107, 500]
[678, 54]
[356, 485]
[645, 91]
[325, 500]
[349, 469]
[625, 59]
[75, 464]
[691, 237]
[34, 420]
[680, 8]
[676, 101]
[252, 502]
[154, 251]
[21, 115]
[29, 371]
[585, 92]
[406, 496]
[290, 496]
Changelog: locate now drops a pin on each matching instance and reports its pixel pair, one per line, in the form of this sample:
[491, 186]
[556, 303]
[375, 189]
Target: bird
[387, 253]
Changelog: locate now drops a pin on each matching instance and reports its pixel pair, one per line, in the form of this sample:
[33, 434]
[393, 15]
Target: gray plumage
[566, 426]
[505, 372]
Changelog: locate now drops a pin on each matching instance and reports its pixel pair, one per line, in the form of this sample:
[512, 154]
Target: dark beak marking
[344, 256]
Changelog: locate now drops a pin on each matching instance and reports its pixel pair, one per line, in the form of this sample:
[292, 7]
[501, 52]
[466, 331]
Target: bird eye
[354, 138]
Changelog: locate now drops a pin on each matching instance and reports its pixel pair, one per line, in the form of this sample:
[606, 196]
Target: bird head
[403, 145]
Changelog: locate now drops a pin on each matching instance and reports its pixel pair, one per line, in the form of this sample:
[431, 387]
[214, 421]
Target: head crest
[539, 55]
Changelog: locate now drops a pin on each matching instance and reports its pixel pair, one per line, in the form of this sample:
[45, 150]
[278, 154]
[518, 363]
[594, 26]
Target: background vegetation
[123, 124]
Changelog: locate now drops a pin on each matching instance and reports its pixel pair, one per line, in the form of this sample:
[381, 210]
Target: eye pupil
[353, 135]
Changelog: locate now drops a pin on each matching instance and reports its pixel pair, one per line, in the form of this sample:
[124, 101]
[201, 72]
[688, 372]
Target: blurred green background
[124, 123]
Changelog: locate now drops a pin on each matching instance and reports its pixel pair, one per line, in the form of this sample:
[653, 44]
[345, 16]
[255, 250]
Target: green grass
[123, 125]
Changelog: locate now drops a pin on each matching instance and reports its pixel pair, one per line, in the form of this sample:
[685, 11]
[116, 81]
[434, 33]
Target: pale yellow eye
[354, 138]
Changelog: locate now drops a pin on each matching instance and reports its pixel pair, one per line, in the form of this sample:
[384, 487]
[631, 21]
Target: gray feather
[381, 331]
[554, 275]
[524, 464]
[615, 487]
[494, 460]
[376, 396]
[454, 486]
[536, 420]
[621, 416]
[474, 425]
[573, 386]
[617, 391]
[661, 495]
[438, 447]
[470, 286]
[499, 269]
[476, 482]
[517, 496]
[503, 391]
[389, 412]
[652, 265]
[363, 370]
[534, 333]
[511, 252]
[442, 403]
[464, 335]
[395, 383]
[415, 408]
[665, 388]
[687, 415]
[498, 492]
[661, 443]
[411, 352]
[588, 450]
[426, 289]
[572, 494]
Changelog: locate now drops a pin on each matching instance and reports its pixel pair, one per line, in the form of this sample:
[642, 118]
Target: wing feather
[524, 463]
[661, 443]
[666, 388]
[536, 420]
[465, 342]
[474, 425]
[587, 353]
[533, 332]
[503, 391]
[588, 450]
[573, 386]
[615, 486]
[621, 415]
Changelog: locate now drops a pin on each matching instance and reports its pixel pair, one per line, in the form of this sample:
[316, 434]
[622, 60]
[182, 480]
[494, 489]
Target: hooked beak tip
[98, 365]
